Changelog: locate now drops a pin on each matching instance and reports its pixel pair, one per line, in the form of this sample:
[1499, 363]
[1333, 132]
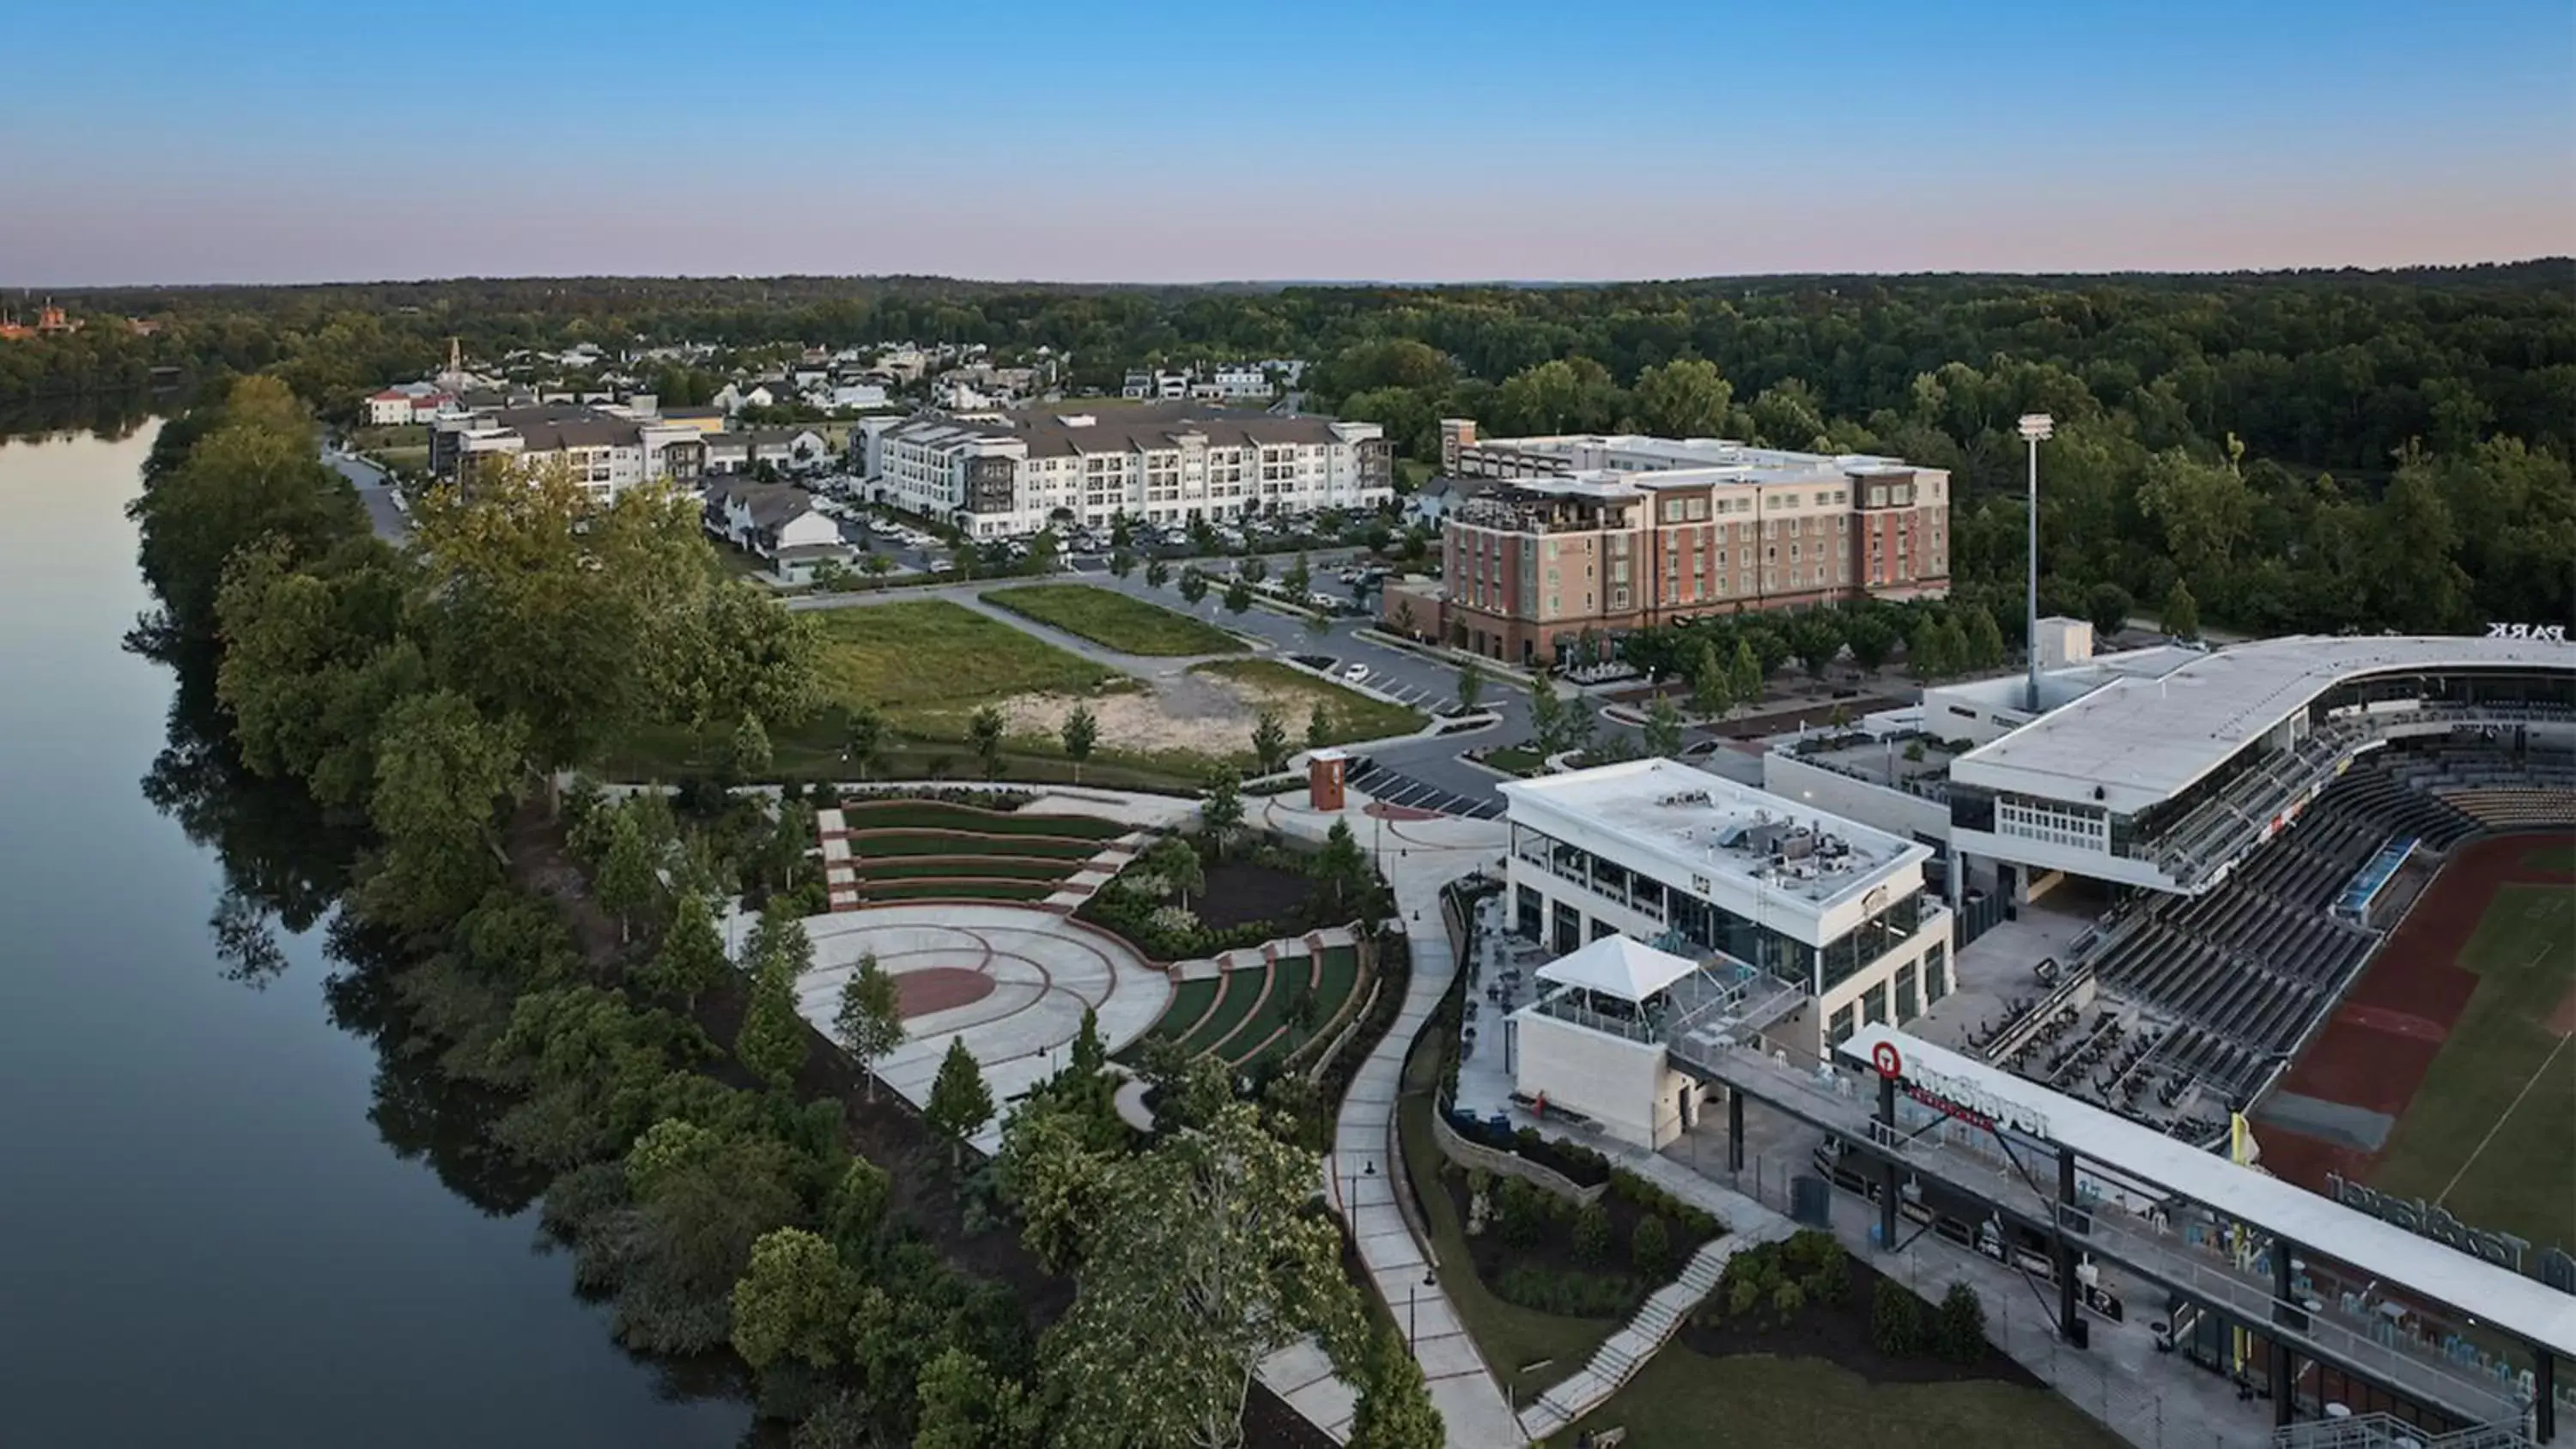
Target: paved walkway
[1427, 855]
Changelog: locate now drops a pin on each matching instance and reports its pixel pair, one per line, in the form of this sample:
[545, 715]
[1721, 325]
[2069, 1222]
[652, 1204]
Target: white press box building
[1677, 901]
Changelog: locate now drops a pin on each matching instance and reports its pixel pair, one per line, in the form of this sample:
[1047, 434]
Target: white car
[1355, 673]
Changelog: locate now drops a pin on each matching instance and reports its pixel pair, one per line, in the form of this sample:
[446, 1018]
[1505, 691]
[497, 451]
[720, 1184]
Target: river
[222, 1220]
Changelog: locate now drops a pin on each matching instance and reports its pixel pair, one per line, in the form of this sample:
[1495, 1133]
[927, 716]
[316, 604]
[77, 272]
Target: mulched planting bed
[1839, 1333]
[1497, 1255]
[1239, 891]
[947, 842]
[940, 815]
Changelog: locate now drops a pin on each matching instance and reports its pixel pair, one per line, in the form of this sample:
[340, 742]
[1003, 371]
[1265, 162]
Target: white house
[775, 522]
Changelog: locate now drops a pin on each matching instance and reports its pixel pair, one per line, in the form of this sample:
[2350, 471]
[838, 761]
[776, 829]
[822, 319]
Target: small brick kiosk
[1324, 770]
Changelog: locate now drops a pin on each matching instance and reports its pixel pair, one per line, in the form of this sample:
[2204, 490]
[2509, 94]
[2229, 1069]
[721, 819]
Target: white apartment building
[607, 450]
[1005, 474]
[1826, 918]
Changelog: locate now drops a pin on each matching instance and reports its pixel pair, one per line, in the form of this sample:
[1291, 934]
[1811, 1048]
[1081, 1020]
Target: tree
[1122, 562]
[1650, 1248]
[793, 1302]
[2181, 612]
[1745, 674]
[1685, 398]
[442, 773]
[1959, 1327]
[831, 576]
[1204, 1262]
[1319, 726]
[960, 1104]
[1816, 638]
[692, 957]
[1252, 568]
[1045, 554]
[1547, 716]
[1194, 587]
[1402, 618]
[965, 1405]
[1394, 1409]
[747, 751]
[779, 936]
[1592, 1232]
[984, 733]
[1870, 639]
[1895, 1319]
[1929, 651]
[1983, 646]
[1221, 813]
[1157, 573]
[1238, 596]
[1122, 530]
[628, 882]
[771, 1043]
[876, 566]
[869, 1023]
[1269, 742]
[2108, 607]
[1471, 685]
[1712, 685]
[1663, 729]
[863, 735]
[1299, 578]
[1178, 865]
[1081, 731]
[1341, 865]
[1319, 626]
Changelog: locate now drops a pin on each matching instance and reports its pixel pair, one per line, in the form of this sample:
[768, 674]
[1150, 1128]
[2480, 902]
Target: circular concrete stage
[1037, 971]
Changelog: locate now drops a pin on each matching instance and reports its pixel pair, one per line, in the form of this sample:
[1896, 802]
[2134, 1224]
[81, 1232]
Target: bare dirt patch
[1198, 713]
[939, 988]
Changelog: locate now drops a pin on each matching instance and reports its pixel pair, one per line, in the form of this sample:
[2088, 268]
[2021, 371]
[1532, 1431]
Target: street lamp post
[2035, 428]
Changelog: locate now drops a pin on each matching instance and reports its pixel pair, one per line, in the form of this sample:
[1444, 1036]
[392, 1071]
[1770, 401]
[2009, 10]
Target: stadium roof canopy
[2524, 1307]
[2141, 740]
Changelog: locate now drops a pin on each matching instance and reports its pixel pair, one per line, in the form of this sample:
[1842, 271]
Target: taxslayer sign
[1955, 1098]
[2536, 633]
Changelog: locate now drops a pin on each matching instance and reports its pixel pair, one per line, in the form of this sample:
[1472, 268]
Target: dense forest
[2312, 450]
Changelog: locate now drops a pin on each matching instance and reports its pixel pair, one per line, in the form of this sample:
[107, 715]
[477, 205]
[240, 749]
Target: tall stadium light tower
[2035, 428]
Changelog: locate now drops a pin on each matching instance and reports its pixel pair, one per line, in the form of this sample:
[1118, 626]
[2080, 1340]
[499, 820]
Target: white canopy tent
[1618, 967]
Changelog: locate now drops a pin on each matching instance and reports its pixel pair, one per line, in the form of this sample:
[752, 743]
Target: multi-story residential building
[606, 449]
[1002, 474]
[1607, 534]
[409, 402]
[1826, 921]
[1225, 382]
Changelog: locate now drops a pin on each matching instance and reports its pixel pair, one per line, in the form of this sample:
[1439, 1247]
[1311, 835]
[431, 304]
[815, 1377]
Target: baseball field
[2447, 1070]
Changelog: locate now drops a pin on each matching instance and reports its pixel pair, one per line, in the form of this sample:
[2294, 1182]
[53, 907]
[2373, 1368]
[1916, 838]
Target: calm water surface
[205, 1238]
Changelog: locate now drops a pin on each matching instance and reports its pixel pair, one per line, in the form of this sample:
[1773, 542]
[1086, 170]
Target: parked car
[1354, 673]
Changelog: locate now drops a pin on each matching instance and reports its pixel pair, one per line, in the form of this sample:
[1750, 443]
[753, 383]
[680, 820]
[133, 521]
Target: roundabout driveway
[1040, 970]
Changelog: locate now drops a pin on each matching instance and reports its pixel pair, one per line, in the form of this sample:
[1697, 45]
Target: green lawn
[982, 867]
[941, 815]
[1521, 760]
[1332, 978]
[974, 890]
[1684, 1400]
[2559, 856]
[927, 663]
[1114, 620]
[926, 842]
[2487, 1134]
[1295, 693]
[1242, 988]
[1190, 1003]
[1513, 1339]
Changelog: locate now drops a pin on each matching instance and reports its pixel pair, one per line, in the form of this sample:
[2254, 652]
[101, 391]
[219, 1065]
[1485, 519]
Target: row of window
[1914, 992]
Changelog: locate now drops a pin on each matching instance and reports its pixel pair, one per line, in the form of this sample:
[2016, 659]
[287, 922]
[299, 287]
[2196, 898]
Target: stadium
[2303, 912]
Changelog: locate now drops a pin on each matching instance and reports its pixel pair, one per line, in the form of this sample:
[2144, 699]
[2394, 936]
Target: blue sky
[273, 141]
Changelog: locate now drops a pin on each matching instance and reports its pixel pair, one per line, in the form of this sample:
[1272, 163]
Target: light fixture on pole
[2035, 428]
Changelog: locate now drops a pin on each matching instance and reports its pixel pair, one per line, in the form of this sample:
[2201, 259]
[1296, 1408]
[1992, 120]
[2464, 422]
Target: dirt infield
[939, 988]
[2374, 1051]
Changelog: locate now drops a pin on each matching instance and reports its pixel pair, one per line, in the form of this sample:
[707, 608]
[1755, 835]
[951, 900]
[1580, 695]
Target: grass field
[974, 890]
[1521, 760]
[1295, 693]
[927, 663]
[1234, 1017]
[1114, 621]
[2560, 858]
[2488, 1134]
[933, 867]
[905, 842]
[966, 819]
[1685, 1400]
[1242, 988]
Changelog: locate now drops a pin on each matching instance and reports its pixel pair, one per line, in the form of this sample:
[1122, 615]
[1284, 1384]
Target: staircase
[1623, 1353]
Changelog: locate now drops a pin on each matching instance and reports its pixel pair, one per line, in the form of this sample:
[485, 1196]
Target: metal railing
[2386, 1431]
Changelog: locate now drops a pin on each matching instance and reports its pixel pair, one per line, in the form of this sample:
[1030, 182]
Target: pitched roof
[1617, 966]
[771, 505]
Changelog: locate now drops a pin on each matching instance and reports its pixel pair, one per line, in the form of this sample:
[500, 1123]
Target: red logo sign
[1884, 1057]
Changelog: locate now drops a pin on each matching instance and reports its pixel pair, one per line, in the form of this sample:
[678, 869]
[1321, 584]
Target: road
[391, 524]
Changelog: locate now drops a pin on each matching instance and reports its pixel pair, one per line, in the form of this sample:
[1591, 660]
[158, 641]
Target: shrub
[1652, 1247]
[1895, 1319]
[1568, 1294]
[1592, 1232]
[1521, 1209]
[1742, 1295]
[1787, 1299]
[1959, 1331]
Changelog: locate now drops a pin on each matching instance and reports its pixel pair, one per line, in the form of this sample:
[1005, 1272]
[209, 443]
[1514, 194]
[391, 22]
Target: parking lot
[1391, 787]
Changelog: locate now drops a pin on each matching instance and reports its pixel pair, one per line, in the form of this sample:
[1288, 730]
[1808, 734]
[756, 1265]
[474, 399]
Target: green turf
[925, 867]
[1114, 620]
[1242, 988]
[1527, 1350]
[1684, 1400]
[1243, 1044]
[943, 842]
[927, 663]
[1521, 760]
[1190, 1003]
[2559, 857]
[974, 890]
[940, 815]
[1294, 693]
[1339, 970]
[2488, 1133]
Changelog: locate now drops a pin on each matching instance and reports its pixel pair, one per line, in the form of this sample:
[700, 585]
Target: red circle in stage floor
[939, 988]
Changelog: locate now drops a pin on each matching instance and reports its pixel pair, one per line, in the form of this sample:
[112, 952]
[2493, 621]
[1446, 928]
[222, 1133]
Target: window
[1907, 1004]
[1526, 911]
[1936, 972]
[1697, 510]
[1842, 1026]
[1672, 510]
[1873, 1002]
